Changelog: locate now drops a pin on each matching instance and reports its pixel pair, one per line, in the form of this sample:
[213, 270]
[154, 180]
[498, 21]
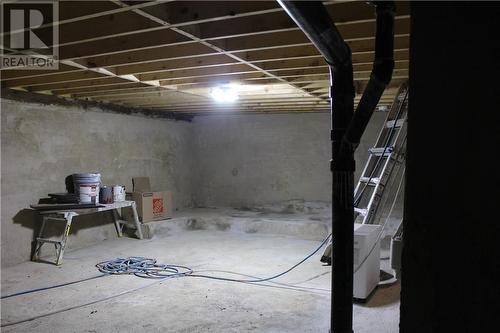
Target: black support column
[451, 254]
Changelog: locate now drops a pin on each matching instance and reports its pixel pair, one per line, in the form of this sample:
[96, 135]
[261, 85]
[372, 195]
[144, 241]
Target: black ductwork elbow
[313, 19]
[381, 75]
[383, 64]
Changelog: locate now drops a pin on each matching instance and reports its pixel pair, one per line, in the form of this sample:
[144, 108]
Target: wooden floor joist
[169, 55]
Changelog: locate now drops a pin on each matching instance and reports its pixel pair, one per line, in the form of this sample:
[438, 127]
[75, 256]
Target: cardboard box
[151, 205]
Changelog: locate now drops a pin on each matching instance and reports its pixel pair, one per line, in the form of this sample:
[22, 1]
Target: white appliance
[366, 263]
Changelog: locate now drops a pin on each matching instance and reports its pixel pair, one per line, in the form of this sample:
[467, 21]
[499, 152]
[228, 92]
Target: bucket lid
[87, 175]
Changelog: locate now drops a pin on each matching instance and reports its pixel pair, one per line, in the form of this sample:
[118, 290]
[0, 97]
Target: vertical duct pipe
[346, 131]
[316, 23]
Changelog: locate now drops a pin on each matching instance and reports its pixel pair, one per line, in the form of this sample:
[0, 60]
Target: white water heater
[366, 259]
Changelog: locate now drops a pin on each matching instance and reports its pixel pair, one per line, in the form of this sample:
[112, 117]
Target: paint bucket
[89, 193]
[87, 187]
[106, 195]
[119, 193]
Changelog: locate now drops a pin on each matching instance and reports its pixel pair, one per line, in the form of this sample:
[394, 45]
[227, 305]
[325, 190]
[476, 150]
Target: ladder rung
[46, 240]
[59, 219]
[374, 181]
[379, 151]
[127, 223]
[360, 211]
[390, 123]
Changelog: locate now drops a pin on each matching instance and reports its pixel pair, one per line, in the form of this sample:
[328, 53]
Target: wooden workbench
[65, 215]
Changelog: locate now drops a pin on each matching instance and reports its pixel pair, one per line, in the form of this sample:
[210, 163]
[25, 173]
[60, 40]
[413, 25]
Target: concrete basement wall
[228, 160]
[243, 160]
[42, 144]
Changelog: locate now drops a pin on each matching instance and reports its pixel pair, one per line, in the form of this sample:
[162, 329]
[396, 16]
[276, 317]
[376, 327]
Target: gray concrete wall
[227, 160]
[243, 160]
[42, 144]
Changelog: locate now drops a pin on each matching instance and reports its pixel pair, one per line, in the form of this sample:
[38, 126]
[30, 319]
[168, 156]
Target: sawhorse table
[67, 216]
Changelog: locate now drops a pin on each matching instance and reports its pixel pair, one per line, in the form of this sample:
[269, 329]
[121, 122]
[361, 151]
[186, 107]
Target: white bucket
[118, 193]
[89, 193]
[87, 186]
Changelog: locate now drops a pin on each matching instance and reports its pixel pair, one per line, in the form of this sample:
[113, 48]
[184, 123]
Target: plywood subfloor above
[172, 55]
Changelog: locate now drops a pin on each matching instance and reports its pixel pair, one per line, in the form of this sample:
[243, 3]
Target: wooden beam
[252, 107]
[61, 78]
[153, 95]
[43, 88]
[198, 62]
[226, 57]
[9, 74]
[358, 76]
[317, 64]
[122, 44]
[262, 18]
[116, 87]
[81, 84]
[121, 22]
[298, 76]
[158, 53]
[307, 52]
[154, 38]
[117, 92]
[215, 60]
[282, 99]
[151, 39]
[212, 46]
[284, 39]
[270, 21]
[185, 13]
[276, 20]
[196, 73]
[270, 100]
[166, 37]
[75, 11]
[188, 49]
[113, 25]
[211, 60]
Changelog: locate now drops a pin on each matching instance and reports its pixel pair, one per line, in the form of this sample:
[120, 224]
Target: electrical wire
[294, 286]
[79, 305]
[268, 278]
[139, 266]
[142, 267]
[148, 268]
[383, 225]
[51, 287]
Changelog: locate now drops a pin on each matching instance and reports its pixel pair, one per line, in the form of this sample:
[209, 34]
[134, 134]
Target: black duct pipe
[381, 74]
[313, 19]
[346, 131]
[316, 23]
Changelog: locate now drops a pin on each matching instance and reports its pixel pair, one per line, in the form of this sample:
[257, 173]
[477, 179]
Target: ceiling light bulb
[227, 94]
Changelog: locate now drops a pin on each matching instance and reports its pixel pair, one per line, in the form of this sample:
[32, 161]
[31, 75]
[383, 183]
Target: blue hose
[142, 267]
[149, 268]
[51, 287]
[268, 278]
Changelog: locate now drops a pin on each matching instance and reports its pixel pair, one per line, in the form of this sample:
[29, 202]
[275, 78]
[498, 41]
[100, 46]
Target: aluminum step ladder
[384, 158]
[59, 244]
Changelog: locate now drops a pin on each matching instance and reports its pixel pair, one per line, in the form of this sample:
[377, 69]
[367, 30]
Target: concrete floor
[300, 303]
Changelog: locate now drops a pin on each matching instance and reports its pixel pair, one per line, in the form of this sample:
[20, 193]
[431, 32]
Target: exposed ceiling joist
[169, 55]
